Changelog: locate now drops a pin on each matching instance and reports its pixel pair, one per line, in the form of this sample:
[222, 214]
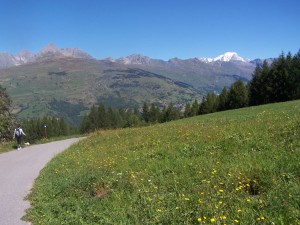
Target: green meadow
[233, 167]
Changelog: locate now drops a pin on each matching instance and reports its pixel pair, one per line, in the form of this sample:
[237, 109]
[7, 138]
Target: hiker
[18, 133]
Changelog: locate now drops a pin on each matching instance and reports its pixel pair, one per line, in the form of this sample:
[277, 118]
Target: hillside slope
[69, 86]
[239, 166]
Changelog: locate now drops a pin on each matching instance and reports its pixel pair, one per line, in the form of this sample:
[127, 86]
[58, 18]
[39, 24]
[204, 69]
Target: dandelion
[199, 219]
[212, 220]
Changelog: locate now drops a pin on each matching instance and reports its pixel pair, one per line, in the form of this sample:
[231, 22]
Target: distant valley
[66, 82]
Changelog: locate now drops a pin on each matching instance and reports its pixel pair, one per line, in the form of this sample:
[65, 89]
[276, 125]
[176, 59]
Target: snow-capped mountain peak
[226, 57]
[229, 56]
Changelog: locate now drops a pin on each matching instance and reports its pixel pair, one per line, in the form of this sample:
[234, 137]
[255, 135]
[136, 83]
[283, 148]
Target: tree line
[47, 127]
[108, 118]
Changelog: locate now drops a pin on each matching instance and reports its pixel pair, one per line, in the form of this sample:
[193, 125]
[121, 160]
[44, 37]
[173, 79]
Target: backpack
[18, 133]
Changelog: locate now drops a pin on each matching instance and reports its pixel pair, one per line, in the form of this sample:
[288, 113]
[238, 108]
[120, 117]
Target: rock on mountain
[50, 51]
[134, 59]
[260, 62]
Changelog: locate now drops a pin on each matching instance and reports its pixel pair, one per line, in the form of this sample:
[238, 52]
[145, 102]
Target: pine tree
[209, 104]
[170, 113]
[102, 116]
[93, 119]
[6, 117]
[154, 114]
[187, 111]
[295, 81]
[145, 112]
[238, 95]
[194, 109]
[223, 100]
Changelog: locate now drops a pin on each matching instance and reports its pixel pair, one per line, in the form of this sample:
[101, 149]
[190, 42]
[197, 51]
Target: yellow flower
[248, 200]
[186, 199]
[239, 210]
[221, 191]
[236, 221]
[199, 219]
[212, 220]
[223, 217]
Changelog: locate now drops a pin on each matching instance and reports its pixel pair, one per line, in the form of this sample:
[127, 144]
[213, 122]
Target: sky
[160, 29]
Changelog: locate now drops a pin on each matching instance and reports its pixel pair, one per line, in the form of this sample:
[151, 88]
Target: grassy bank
[234, 167]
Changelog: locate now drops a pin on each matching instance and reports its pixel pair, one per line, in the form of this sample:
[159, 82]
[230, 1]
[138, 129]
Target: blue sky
[160, 29]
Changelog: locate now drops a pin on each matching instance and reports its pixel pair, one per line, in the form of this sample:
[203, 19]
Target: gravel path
[18, 170]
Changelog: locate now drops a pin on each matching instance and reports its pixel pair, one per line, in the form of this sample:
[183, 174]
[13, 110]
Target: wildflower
[237, 221]
[223, 217]
[239, 210]
[186, 199]
[158, 210]
[260, 218]
[221, 191]
[177, 208]
[248, 200]
[212, 220]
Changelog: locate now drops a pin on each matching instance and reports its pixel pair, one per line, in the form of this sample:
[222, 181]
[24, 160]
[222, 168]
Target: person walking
[18, 133]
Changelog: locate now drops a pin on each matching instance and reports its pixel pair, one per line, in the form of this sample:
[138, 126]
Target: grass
[233, 167]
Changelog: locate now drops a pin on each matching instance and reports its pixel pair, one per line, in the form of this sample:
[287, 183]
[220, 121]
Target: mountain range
[67, 81]
[9, 60]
